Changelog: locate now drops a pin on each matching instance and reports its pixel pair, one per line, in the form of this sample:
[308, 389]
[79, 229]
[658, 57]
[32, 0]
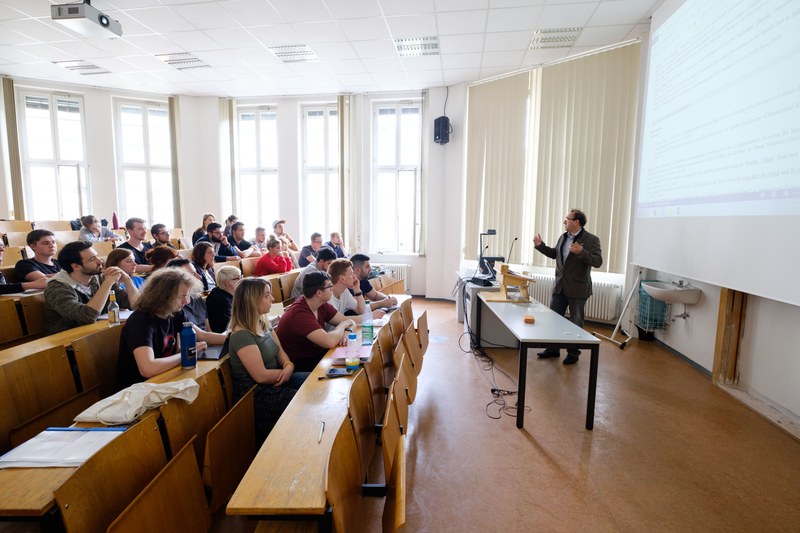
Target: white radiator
[603, 305]
[397, 270]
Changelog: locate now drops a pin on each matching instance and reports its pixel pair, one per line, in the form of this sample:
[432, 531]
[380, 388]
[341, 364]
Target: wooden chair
[275, 286]
[7, 226]
[359, 406]
[14, 254]
[376, 283]
[173, 501]
[182, 420]
[64, 236]
[177, 243]
[401, 398]
[16, 238]
[422, 332]
[394, 508]
[413, 349]
[396, 323]
[97, 357]
[12, 327]
[103, 248]
[230, 448]
[217, 266]
[287, 283]
[8, 272]
[53, 225]
[407, 312]
[377, 386]
[386, 344]
[406, 374]
[108, 481]
[33, 313]
[121, 232]
[60, 415]
[249, 266]
[393, 463]
[186, 253]
[226, 377]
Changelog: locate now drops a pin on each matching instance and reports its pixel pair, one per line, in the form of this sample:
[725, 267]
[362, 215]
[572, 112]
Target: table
[550, 329]
[63, 338]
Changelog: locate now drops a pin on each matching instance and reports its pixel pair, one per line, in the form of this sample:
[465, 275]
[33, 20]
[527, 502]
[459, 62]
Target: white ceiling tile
[460, 75]
[491, 72]
[332, 51]
[402, 7]
[461, 22]
[46, 52]
[192, 40]
[378, 48]
[252, 12]
[147, 63]
[423, 78]
[566, 16]
[6, 13]
[275, 70]
[602, 35]
[412, 26]
[359, 79]
[513, 19]
[461, 61]
[365, 29]
[111, 47]
[460, 5]
[527, 3]
[39, 30]
[279, 35]
[130, 26]
[422, 63]
[502, 59]
[152, 44]
[383, 64]
[113, 64]
[509, 40]
[620, 12]
[128, 4]
[219, 58]
[346, 66]
[160, 19]
[319, 32]
[541, 57]
[302, 10]
[206, 16]
[33, 9]
[233, 38]
[459, 44]
[7, 36]
[257, 56]
[386, 78]
[350, 9]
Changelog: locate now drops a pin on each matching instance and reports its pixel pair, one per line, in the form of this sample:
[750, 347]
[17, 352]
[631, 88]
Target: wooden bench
[12, 326]
[359, 405]
[7, 226]
[53, 225]
[287, 283]
[12, 254]
[33, 313]
[249, 266]
[97, 357]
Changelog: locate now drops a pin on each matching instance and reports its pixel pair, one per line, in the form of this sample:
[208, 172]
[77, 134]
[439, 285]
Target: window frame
[267, 177]
[333, 212]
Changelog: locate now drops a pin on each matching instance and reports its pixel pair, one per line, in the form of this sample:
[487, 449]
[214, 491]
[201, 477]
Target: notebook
[340, 354]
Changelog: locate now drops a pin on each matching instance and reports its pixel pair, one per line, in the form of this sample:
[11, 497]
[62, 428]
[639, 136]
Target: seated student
[273, 261]
[257, 356]
[377, 299]
[137, 233]
[324, 260]
[220, 299]
[203, 262]
[260, 242]
[343, 278]
[149, 343]
[42, 264]
[10, 288]
[229, 222]
[208, 218]
[301, 329]
[92, 231]
[279, 230]
[161, 236]
[160, 256]
[78, 294]
[336, 244]
[195, 311]
[310, 251]
[219, 242]
[239, 244]
[123, 258]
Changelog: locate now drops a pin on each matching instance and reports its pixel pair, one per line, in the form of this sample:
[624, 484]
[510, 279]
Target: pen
[321, 429]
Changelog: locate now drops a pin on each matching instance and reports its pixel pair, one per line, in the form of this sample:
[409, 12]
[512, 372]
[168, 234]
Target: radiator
[603, 305]
[397, 270]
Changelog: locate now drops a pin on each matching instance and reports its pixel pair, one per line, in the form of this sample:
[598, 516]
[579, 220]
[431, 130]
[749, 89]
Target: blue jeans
[297, 379]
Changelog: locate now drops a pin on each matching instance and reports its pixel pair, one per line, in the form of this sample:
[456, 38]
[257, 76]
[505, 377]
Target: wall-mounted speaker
[441, 130]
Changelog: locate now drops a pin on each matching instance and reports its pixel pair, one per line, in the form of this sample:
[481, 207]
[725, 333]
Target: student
[159, 256]
[123, 259]
[347, 303]
[260, 242]
[257, 357]
[219, 242]
[239, 244]
[203, 262]
[78, 294]
[10, 288]
[161, 236]
[377, 299]
[137, 233]
[301, 329]
[324, 260]
[220, 299]
[274, 261]
[336, 245]
[208, 218]
[195, 311]
[42, 264]
[310, 251]
[92, 231]
[150, 340]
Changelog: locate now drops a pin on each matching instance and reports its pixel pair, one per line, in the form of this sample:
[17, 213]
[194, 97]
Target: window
[144, 162]
[322, 194]
[54, 163]
[258, 167]
[395, 201]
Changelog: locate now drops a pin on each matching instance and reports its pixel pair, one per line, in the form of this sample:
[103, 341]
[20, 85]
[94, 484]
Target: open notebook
[340, 354]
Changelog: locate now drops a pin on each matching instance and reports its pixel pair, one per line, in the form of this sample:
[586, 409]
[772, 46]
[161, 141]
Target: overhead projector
[85, 20]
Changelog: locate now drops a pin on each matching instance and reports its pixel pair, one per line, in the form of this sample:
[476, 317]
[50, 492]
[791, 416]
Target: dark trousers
[560, 303]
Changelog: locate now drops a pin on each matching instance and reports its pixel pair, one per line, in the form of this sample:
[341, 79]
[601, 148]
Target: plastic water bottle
[188, 346]
[351, 359]
[113, 310]
[366, 327]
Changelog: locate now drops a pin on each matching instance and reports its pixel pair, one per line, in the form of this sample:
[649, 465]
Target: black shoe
[571, 359]
[546, 354]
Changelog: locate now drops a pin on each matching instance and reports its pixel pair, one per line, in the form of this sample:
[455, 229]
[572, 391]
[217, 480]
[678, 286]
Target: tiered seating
[7, 226]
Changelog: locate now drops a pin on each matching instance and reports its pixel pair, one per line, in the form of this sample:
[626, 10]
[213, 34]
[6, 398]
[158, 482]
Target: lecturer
[576, 252]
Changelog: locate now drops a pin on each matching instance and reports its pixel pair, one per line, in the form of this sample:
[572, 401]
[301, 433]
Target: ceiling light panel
[298, 53]
[182, 61]
[417, 46]
[554, 38]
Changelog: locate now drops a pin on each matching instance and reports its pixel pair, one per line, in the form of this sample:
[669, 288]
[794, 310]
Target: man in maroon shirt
[301, 329]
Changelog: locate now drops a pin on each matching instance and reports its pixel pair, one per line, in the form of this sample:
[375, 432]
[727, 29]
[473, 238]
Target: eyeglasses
[326, 287]
[236, 279]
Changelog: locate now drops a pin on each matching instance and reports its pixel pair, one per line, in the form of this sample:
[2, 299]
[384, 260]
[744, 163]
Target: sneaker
[571, 359]
[546, 354]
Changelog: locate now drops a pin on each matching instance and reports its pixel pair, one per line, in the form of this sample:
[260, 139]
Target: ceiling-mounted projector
[85, 20]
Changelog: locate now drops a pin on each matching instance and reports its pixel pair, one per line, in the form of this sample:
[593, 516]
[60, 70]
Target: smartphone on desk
[336, 373]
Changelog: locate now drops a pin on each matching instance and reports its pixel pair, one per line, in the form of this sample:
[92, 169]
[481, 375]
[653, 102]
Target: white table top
[549, 326]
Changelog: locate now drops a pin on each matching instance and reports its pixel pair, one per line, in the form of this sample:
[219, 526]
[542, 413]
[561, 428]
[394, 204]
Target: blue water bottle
[188, 346]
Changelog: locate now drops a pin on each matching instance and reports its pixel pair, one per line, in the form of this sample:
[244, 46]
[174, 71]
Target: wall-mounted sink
[671, 293]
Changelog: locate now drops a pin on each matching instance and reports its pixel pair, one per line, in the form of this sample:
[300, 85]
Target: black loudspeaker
[441, 130]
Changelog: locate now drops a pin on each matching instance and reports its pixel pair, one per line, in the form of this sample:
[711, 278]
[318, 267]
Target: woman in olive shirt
[257, 357]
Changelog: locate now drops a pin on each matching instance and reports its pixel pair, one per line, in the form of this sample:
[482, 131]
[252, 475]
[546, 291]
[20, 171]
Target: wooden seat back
[108, 481]
[186, 253]
[407, 312]
[359, 406]
[422, 331]
[173, 501]
[230, 449]
[386, 345]
[16, 238]
[287, 283]
[377, 385]
[394, 508]
[63, 236]
[343, 487]
[226, 376]
[396, 323]
[97, 357]
[410, 377]
[376, 283]
[13, 254]
[401, 393]
[182, 420]
[413, 349]
[218, 266]
[249, 266]
[12, 326]
[8, 272]
[33, 312]
[59, 415]
[9, 226]
[390, 432]
[386, 280]
[53, 225]
[103, 248]
[275, 286]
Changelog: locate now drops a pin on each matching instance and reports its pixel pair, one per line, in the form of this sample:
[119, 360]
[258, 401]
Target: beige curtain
[495, 167]
[586, 142]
